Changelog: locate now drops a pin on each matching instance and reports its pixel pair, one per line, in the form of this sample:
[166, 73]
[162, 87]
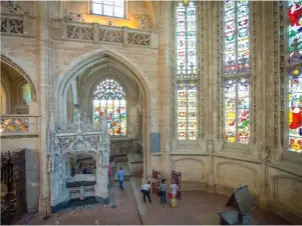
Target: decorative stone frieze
[80, 31]
[11, 25]
[18, 25]
[139, 39]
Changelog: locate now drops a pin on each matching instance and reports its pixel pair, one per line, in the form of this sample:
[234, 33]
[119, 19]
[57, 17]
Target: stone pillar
[46, 80]
[165, 79]
[74, 88]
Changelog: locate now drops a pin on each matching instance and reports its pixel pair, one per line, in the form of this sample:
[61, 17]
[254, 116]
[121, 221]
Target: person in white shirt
[174, 188]
[146, 191]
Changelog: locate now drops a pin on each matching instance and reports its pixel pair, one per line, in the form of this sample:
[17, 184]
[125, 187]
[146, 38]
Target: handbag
[170, 195]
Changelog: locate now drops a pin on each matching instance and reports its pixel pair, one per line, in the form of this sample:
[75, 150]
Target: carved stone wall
[52, 51]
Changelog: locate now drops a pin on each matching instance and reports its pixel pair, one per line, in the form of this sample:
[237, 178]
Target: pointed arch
[102, 56]
[6, 60]
[88, 60]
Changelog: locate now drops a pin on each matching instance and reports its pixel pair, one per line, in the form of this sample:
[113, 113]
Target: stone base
[78, 202]
[60, 206]
[104, 201]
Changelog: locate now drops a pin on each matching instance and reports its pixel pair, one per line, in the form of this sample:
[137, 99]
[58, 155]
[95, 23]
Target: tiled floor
[195, 208]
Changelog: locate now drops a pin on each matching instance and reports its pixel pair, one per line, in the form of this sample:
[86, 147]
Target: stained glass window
[187, 91]
[295, 110]
[109, 99]
[295, 31]
[295, 75]
[26, 94]
[114, 8]
[236, 72]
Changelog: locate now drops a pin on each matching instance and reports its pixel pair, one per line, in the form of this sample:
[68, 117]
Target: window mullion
[186, 72]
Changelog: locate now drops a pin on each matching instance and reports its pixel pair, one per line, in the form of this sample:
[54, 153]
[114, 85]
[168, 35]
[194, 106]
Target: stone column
[45, 80]
[74, 88]
[165, 80]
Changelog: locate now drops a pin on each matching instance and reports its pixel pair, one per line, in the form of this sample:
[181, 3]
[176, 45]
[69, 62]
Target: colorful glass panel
[295, 110]
[26, 94]
[186, 51]
[236, 36]
[295, 31]
[109, 99]
[236, 111]
[187, 111]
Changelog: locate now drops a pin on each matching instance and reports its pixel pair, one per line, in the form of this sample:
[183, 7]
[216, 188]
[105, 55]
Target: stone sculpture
[73, 138]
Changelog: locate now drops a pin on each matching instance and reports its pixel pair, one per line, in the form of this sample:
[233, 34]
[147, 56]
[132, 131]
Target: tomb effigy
[78, 160]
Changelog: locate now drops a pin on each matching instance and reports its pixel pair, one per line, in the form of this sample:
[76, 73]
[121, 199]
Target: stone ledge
[238, 158]
[16, 136]
[287, 168]
[189, 153]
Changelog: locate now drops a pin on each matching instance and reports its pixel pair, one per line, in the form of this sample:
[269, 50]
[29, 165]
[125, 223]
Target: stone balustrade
[62, 29]
[19, 124]
[18, 25]
[95, 33]
[21, 109]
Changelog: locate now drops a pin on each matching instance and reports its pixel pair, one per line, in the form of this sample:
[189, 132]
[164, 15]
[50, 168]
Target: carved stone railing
[19, 125]
[18, 25]
[95, 33]
[21, 109]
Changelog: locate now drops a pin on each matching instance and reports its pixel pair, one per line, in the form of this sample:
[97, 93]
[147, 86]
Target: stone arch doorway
[87, 71]
[17, 89]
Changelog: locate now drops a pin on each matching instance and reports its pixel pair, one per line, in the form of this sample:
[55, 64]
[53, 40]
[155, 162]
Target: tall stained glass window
[236, 72]
[187, 78]
[294, 8]
[109, 99]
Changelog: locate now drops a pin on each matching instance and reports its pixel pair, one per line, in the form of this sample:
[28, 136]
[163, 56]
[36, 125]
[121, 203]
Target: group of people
[146, 189]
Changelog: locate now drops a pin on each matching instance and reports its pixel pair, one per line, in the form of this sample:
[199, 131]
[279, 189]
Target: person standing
[121, 176]
[146, 191]
[174, 189]
[162, 191]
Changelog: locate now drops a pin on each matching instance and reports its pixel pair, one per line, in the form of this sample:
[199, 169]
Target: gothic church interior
[211, 89]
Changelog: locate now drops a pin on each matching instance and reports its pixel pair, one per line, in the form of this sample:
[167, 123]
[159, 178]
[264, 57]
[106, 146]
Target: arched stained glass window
[109, 99]
[187, 77]
[294, 8]
[236, 71]
[26, 94]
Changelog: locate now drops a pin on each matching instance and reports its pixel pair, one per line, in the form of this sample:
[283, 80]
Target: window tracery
[236, 74]
[109, 99]
[294, 67]
[187, 77]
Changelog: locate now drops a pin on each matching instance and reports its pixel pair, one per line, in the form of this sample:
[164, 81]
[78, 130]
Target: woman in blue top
[162, 191]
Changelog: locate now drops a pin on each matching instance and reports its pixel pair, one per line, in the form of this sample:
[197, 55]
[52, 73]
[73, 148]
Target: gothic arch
[87, 60]
[9, 62]
[91, 59]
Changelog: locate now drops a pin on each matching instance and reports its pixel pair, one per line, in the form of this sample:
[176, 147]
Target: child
[146, 191]
[162, 191]
[174, 190]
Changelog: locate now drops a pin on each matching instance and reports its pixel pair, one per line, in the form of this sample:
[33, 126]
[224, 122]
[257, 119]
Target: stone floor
[126, 213]
[195, 208]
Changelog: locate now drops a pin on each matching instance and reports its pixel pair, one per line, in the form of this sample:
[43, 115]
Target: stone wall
[124, 146]
[273, 174]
